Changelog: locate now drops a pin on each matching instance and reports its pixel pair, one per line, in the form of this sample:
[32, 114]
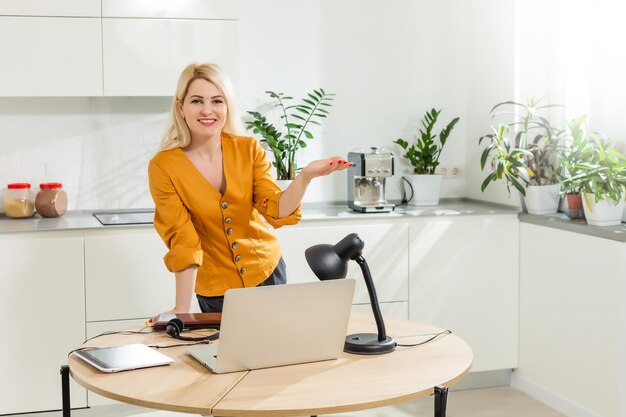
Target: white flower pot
[283, 184]
[602, 213]
[422, 190]
[542, 199]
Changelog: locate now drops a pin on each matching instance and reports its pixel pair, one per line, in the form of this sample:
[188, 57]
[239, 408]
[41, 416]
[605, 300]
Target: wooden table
[350, 383]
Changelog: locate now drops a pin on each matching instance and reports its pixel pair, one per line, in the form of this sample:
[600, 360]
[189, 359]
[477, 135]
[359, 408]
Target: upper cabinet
[64, 8]
[180, 9]
[144, 57]
[111, 47]
[50, 56]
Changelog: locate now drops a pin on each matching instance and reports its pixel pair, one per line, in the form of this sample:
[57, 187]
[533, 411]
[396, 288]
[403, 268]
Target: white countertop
[333, 211]
[77, 220]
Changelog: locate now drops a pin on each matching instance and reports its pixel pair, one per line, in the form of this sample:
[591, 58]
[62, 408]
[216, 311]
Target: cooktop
[125, 217]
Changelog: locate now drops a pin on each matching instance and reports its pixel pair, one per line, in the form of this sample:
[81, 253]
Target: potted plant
[602, 181]
[425, 183]
[285, 144]
[529, 160]
[575, 150]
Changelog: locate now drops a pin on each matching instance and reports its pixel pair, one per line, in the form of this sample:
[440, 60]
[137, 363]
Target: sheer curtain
[574, 51]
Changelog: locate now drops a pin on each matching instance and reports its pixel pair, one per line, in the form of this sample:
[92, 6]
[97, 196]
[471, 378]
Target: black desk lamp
[331, 262]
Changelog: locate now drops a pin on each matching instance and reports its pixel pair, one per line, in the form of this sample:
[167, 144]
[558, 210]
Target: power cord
[434, 336]
[142, 331]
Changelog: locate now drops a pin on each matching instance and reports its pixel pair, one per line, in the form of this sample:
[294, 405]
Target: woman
[210, 187]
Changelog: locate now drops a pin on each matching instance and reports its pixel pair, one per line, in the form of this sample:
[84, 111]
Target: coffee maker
[366, 180]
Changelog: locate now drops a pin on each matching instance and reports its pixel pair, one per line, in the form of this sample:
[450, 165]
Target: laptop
[269, 326]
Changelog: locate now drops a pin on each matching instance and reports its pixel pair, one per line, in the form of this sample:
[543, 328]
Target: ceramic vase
[283, 184]
[423, 190]
[604, 212]
[542, 199]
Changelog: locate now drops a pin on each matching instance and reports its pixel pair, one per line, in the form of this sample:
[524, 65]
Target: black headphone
[175, 326]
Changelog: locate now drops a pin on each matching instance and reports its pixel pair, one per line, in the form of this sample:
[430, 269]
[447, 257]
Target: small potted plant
[602, 181]
[575, 150]
[284, 145]
[529, 160]
[424, 182]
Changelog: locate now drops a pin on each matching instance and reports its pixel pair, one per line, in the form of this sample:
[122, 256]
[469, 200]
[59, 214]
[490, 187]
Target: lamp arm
[380, 324]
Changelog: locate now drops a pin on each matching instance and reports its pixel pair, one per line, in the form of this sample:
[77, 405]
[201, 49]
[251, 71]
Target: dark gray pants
[216, 304]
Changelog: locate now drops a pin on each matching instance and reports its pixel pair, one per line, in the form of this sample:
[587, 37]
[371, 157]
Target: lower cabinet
[125, 277]
[572, 321]
[463, 276]
[43, 310]
[385, 251]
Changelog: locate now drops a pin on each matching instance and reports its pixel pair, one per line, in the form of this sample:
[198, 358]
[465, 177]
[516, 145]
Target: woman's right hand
[150, 322]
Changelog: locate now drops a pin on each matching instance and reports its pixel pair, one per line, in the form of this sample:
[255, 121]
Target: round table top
[350, 383]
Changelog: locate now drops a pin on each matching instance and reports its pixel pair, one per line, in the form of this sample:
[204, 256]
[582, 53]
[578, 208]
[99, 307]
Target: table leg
[441, 399]
[65, 390]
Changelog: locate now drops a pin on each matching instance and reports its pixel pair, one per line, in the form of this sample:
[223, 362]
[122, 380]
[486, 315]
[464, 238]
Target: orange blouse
[223, 234]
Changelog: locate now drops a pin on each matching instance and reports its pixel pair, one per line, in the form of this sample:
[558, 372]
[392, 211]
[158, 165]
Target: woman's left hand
[323, 167]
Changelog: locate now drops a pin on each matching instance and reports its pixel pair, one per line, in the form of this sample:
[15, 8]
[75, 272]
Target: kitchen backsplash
[97, 147]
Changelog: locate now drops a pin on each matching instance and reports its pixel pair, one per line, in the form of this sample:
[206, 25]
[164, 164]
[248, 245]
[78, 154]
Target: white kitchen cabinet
[41, 282]
[65, 8]
[572, 321]
[180, 9]
[125, 277]
[144, 57]
[399, 309]
[65, 48]
[385, 251]
[463, 276]
[50, 56]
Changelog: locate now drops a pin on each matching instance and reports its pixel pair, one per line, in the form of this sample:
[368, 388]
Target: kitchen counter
[562, 222]
[311, 212]
[77, 220]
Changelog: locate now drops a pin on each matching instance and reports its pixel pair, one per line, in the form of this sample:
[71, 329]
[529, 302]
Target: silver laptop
[279, 325]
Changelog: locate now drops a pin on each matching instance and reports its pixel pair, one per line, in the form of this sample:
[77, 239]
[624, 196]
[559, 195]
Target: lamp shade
[331, 261]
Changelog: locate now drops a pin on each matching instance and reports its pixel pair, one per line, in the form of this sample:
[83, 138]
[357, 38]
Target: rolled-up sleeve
[173, 222]
[266, 193]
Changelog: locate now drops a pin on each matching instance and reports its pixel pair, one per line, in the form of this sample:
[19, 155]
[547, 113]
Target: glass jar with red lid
[18, 201]
[51, 200]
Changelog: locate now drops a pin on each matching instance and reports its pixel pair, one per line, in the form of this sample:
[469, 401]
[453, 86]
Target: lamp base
[368, 344]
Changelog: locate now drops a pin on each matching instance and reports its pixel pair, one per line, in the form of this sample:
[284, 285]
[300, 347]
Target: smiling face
[204, 109]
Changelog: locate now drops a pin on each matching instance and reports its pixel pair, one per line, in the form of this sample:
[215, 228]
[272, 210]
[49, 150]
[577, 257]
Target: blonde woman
[211, 186]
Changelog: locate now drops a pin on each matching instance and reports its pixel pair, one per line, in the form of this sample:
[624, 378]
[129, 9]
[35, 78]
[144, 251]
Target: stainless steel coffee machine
[366, 180]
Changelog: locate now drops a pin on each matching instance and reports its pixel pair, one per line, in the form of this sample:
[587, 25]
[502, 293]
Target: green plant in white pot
[284, 145]
[423, 155]
[602, 181]
[527, 160]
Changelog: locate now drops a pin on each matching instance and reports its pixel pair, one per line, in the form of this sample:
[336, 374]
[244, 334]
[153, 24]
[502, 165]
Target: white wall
[388, 62]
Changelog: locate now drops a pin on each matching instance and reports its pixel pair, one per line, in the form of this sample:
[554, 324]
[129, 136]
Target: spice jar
[18, 200]
[51, 200]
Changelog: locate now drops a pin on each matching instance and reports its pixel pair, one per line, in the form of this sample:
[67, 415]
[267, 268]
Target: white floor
[485, 402]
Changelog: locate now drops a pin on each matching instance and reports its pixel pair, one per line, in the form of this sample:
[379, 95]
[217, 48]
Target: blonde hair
[177, 134]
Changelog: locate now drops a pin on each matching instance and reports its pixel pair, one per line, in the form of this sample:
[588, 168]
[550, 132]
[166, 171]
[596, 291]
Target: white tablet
[123, 358]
